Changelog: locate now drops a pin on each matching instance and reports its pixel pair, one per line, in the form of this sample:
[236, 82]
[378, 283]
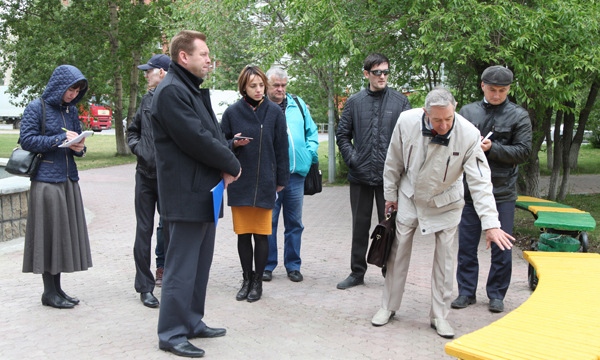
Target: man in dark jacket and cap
[192, 157]
[506, 132]
[363, 137]
[141, 143]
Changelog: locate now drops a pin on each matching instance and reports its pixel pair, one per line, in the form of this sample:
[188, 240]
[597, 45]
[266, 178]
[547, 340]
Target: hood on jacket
[61, 80]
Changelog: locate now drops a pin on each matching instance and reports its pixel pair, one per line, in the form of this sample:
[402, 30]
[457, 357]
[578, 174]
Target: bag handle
[43, 121]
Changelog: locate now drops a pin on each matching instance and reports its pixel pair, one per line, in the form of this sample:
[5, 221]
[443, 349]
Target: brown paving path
[307, 320]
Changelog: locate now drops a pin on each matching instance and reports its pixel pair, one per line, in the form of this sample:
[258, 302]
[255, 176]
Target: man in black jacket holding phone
[506, 140]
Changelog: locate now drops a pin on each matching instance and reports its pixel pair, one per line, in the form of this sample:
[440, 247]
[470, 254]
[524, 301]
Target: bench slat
[559, 321]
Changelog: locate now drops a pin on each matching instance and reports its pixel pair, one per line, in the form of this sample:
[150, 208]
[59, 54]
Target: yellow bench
[561, 319]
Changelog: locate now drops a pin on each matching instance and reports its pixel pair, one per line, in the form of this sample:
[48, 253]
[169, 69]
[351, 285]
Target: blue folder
[217, 193]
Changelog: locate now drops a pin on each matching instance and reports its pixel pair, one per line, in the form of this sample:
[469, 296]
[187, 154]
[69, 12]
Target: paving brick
[307, 320]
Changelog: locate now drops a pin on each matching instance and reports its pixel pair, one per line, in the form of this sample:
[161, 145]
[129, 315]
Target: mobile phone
[242, 138]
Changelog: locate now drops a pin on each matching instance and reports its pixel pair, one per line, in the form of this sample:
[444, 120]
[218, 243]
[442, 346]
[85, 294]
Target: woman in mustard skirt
[256, 130]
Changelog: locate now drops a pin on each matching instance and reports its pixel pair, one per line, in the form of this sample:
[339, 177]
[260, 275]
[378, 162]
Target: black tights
[260, 252]
[52, 284]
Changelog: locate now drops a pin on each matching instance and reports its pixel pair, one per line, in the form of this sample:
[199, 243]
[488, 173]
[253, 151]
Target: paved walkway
[306, 320]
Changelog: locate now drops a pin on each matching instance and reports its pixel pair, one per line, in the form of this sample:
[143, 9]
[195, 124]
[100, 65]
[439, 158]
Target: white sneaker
[443, 328]
[382, 317]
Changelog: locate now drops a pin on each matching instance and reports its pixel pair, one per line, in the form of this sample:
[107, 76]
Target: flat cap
[497, 75]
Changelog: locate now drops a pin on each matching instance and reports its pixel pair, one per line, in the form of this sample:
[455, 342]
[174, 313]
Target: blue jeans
[292, 198]
[467, 271]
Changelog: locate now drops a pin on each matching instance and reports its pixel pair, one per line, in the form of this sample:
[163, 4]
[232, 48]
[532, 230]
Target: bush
[595, 139]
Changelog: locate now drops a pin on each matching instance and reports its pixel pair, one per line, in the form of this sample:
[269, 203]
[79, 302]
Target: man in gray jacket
[430, 150]
[507, 143]
[363, 136]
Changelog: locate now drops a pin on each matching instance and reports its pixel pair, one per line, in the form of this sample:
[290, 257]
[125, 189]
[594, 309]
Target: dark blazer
[140, 140]
[57, 163]
[191, 150]
[265, 159]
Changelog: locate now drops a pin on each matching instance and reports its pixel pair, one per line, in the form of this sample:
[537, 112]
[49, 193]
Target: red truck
[99, 118]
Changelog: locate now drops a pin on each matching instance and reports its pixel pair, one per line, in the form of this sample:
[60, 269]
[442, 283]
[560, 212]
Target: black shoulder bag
[23, 162]
[313, 183]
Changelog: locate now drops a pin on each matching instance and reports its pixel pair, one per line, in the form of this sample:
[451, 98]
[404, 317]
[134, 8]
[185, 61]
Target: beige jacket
[426, 178]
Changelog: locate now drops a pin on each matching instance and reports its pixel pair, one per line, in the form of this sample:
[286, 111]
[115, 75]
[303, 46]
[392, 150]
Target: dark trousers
[160, 251]
[469, 234]
[187, 265]
[146, 198]
[361, 203]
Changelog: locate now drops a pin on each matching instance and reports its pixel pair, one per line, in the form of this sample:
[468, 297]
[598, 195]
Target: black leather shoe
[496, 305]
[69, 299]
[185, 349]
[149, 300]
[350, 281]
[462, 301]
[267, 275]
[295, 276]
[56, 301]
[209, 332]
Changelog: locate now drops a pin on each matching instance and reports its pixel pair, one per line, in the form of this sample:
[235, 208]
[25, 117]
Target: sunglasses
[385, 72]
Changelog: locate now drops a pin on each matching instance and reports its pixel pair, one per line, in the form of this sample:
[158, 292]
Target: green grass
[101, 151]
[525, 230]
[324, 165]
[588, 161]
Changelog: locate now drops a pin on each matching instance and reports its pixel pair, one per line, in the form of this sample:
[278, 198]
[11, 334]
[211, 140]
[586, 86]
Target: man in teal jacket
[304, 142]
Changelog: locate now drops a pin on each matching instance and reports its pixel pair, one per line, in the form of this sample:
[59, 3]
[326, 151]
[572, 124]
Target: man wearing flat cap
[141, 143]
[505, 129]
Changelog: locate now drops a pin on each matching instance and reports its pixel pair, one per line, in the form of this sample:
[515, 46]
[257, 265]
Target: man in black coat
[363, 137]
[505, 128]
[141, 143]
[192, 156]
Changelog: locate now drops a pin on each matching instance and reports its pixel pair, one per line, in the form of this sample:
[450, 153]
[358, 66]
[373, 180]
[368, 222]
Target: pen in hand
[64, 129]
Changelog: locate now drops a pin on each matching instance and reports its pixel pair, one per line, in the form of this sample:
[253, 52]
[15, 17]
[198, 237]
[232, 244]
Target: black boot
[243, 293]
[51, 297]
[255, 288]
[60, 291]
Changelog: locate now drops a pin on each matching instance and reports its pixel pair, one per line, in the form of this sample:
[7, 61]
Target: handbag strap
[301, 112]
[43, 120]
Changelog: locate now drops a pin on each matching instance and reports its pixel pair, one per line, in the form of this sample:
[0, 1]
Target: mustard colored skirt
[251, 220]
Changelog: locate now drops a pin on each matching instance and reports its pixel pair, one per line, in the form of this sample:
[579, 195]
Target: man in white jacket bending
[429, 151]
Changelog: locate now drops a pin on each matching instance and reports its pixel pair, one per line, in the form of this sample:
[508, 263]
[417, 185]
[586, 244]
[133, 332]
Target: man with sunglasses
[363, 137]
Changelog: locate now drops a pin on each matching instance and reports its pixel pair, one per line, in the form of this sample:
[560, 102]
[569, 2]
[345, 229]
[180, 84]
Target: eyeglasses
[385, 72]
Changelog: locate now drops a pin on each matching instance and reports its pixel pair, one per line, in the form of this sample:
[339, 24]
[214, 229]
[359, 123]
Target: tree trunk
[584, 115]
[553, 185]
[122, 148]
[134, 85]
[532, 167]
[567, 139]
[549, 141]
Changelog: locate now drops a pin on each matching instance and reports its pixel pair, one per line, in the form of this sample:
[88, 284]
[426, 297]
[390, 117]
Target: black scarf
[437, 138]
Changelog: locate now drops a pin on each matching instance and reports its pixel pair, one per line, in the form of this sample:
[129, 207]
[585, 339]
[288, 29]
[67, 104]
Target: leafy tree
[104, 39]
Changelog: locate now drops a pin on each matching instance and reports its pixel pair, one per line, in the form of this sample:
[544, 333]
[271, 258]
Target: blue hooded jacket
[303, 137]
[57, 163]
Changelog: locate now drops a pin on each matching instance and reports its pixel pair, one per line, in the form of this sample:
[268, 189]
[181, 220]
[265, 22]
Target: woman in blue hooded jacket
[56, 238]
